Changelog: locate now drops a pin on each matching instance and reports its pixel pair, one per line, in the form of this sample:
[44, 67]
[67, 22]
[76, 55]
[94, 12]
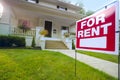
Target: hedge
[12, 41]
[73, 45]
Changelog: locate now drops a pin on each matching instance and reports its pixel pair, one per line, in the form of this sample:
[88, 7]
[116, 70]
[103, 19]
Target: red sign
[97, 32]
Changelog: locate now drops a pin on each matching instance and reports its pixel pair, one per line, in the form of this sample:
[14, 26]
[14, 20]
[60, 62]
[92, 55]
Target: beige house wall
[5, 20]
[6, 15]
[13, 20]
[55, 25]
[40, 22]
[72, 29]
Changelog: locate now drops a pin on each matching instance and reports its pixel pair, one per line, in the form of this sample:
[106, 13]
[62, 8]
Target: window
[33, 1]
[61, 8]
[64, 28]
[54, 31]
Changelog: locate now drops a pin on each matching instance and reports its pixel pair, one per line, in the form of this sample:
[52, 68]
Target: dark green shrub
[19, 41]
[12, 41]
[73, 45]
[33, 42]
[4, 41]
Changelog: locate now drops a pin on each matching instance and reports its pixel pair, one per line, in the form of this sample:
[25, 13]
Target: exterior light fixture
[1, 10]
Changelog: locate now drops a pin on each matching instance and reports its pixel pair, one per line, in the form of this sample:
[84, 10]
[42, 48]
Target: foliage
[33, 42]
[24, 26]
[66, 34]
[109, 57]
[72, 33]
[12, 41]
[26, 64]
[82, 11]
[88, 13]
[25, 29]
[73, 45]
[44, 32]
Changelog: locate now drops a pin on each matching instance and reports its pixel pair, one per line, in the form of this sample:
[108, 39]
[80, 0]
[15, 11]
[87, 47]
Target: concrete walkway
[102, 65]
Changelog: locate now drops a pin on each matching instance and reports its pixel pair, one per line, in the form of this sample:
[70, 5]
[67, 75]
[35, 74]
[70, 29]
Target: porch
[40, 41]
[38, 17]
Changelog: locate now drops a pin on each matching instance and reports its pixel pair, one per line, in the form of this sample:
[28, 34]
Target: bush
[44, 32]
[33, 42]
[73, 45]
[12, 41]
[66, 34]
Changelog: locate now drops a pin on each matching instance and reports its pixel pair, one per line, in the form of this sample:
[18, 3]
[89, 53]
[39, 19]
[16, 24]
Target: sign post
[98, 31]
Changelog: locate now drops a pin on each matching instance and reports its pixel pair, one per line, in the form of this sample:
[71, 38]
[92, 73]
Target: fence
[17, 31]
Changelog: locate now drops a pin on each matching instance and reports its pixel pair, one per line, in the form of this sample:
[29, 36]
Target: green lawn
[25, 64]
[108, 57]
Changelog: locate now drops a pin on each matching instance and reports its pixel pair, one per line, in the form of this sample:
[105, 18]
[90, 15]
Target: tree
[78, 3]
[89, 12]
[33, 42]
[82, 11]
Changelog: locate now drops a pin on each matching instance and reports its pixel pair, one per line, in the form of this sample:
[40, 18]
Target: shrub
[12, 41]
[24, 28]
[44, 32]
[73, 45]
[4, 41]
[33, 42]
[66, 34]
[24, 25]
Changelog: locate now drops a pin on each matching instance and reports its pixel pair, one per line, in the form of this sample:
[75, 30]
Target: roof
[64, 4]
[22, 7]
[38, 8]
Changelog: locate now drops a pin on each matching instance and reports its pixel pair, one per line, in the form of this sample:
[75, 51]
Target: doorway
[48, 26]
[64, 29]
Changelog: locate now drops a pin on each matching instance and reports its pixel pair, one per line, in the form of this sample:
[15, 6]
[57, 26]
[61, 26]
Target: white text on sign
[94, 30]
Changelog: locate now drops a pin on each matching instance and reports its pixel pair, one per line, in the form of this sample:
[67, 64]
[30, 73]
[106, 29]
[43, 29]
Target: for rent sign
[97, 32]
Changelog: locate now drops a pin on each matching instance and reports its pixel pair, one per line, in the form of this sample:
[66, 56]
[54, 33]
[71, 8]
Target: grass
[25, 64]
[108, 57]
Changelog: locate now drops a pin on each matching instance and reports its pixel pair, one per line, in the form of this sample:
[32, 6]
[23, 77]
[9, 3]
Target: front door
[48, 26]
[64, 30]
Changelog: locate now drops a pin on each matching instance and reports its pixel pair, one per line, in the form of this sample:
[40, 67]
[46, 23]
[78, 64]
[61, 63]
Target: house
[53, 15]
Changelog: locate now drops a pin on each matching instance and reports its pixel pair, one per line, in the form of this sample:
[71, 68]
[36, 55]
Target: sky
[94, 5]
